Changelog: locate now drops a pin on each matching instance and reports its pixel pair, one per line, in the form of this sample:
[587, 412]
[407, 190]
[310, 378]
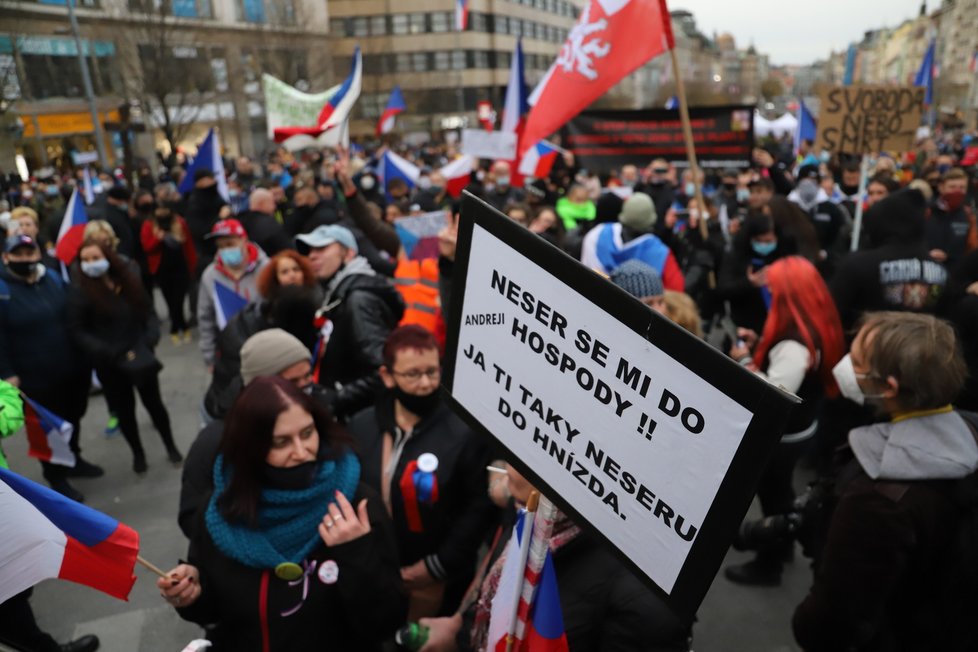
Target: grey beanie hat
[638, 213]
[638, 279]
[269, 352]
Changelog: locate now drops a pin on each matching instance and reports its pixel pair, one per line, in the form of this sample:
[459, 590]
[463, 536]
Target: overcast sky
[797, 32]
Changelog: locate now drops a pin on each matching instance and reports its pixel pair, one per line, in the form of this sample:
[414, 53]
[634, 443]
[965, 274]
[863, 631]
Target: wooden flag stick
[690, 149]
[151, 567]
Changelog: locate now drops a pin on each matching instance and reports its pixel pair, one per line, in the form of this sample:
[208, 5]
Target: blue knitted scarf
[287, 520]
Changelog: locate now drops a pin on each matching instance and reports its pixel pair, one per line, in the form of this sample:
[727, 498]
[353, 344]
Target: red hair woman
[286, 268]
[801, 342]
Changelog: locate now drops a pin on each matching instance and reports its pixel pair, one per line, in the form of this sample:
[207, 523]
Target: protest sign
[639, 430]
[607, 140]
[869, 119]
[286, 106]
[419, 234]
[494, 145]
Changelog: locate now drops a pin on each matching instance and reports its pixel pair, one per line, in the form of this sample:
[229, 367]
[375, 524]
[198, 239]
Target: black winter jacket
[457, 523]
[364, 310]
[265, 232]
[358, 610]
[226, 381]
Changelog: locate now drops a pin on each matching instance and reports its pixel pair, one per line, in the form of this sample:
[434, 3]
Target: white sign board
[604, 410]
[495, 145]
[84, 158]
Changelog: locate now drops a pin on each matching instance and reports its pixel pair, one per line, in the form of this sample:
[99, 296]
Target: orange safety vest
[417, 281]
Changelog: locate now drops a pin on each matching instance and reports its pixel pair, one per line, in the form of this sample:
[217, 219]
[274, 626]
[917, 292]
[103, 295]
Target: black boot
[84, 469]
[174, 454]
[62, 486]
[87, 643]
[139, 462]
[757, 572]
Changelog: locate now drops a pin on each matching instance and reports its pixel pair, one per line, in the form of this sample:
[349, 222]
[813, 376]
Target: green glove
[11, 413]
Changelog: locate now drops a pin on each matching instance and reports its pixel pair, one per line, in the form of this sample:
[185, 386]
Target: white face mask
[845, 376]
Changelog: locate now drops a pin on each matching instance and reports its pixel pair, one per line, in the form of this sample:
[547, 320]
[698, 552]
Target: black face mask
[419, 405]
[23, 268]
[295, 478]
[848, 190]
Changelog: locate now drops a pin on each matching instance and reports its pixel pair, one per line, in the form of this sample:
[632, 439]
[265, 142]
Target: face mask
[95, 268]
[763, 248]
[953, 200]
[234, 193]
[848, 190]
[231, 256]
[22, 268]
[367, 183]
[419, 405]
[144, 209]
[424, 183]
[730, 187]
[825, 157]
[690, 189]
[628, 183]
[502, 182]
[27, 194]
[51, 191]
[743, 194]
[943, 167]
[658, 182]
[294, 478]
[845, 377]
[807, 191]
[437, 190]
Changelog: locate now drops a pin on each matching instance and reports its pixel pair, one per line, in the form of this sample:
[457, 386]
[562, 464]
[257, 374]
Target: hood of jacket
[356, 267]
[933, 447]
[359, 276]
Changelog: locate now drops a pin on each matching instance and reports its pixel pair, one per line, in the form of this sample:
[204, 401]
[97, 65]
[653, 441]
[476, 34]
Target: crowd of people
[332, 494]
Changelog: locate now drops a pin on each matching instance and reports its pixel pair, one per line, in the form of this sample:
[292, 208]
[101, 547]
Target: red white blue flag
[517, 97]
[393, 166]
[47, 535]
[461, 15]
[457, 175]
[48, 435]
[72, 229]
[336, 110]
[395, 106]
[610, 40]
[539, 160]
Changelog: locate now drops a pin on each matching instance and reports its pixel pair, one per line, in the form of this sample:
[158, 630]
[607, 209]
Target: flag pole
[151, 567]
[690, 149]
[531, 507]
[857, 225]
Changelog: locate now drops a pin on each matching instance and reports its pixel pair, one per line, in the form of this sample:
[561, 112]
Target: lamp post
[87, 83]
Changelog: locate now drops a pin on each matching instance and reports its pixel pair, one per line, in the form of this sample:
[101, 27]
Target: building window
[458, 60]
[478, 22]
[360, 27]
[399, 24]
[515, 26]
[442, 60]
[378, 25]
[502, 24]
[419, 61]
[251, 11]
[441, 21]
[417, 23]
[402, 62]
[503, 60]
[480, 59]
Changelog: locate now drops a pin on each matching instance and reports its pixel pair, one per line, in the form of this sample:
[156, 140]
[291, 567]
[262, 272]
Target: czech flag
[807, 129]
[337, 109]
[395, 105]
[47, 535]
[461, 15]
[208, 158]
[48, 435]
[517, 99]
[72, 230]
[545, 627]
[393, 166]
[610, 40]
[419, 234]
[539, 159]
[457, 175]
[227, 303]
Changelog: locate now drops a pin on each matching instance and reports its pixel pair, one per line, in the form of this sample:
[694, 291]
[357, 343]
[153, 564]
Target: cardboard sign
[869, 119]
[607, 140]
[636, 428]
[493, 145]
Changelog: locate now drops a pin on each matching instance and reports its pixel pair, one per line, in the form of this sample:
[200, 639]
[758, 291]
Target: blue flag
[925, 76]
[806, 129]
[208, 158]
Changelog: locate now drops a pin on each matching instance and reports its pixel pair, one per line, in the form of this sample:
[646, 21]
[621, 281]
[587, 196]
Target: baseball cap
[326, 234]
[227, 228]
[19, 240]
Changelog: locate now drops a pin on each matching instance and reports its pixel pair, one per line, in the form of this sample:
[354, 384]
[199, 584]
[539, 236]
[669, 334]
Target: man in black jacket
[430, 469]
[361, 309]
[261, 225]
[117, 214]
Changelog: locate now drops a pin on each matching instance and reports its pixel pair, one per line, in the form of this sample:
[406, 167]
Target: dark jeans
[119, 393]
[68, 400]
[175, 289]
[18, 628]
[776, 490]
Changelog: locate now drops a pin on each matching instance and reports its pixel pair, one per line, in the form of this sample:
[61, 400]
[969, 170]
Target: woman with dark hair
[291, 551]
[170, 257]
[286, 268]
[801, 342]
[110, 319]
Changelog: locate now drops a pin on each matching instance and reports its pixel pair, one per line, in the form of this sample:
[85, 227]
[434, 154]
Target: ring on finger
[338, 517]
[329, 523]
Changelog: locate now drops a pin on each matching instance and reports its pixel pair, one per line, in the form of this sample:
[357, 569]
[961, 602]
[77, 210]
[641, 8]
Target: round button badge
[427, 462]
[329, 572]
[288, 571]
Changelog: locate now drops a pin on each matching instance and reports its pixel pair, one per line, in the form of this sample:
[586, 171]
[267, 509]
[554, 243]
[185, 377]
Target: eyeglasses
[415, 375]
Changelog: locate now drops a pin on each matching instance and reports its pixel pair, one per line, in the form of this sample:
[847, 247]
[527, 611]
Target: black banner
[606, 140]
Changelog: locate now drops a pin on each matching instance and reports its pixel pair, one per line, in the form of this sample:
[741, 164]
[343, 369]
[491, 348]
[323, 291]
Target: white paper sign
[495, 145]
[612, 423]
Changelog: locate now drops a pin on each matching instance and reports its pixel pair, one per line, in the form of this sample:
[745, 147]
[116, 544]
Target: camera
[805, 523]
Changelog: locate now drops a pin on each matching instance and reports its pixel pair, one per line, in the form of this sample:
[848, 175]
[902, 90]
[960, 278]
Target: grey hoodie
[934, 447]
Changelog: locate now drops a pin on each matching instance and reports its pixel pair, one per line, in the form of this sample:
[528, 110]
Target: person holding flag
[37, 354]
[591, 601]
[228, 284]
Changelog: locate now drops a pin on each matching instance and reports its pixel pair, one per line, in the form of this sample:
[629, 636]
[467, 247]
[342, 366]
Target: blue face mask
[763, 248]
[95, 268]
[690, 189]
[51, 191]
[743, 194]
[231, 256]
